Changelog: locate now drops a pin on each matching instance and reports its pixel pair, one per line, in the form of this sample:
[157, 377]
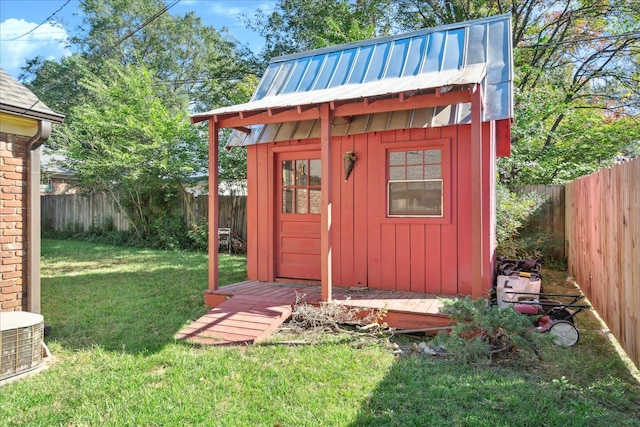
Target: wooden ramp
[241, 319]
[249, 311]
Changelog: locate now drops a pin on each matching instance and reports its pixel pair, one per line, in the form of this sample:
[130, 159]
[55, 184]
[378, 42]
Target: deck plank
[242, 319]
[253, 310]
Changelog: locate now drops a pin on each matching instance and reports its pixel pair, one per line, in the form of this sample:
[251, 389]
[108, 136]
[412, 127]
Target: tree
[189, 60]
[576, 64]
[126, 141]
[299, 25]
[570, 56]
[586, 140]
[56, 83]
[175, 63]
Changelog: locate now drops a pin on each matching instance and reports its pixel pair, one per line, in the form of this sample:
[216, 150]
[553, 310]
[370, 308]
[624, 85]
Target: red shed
[372, 164]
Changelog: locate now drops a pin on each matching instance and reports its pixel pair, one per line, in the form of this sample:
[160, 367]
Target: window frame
[446, 176]
[409, 181]
[295, 186]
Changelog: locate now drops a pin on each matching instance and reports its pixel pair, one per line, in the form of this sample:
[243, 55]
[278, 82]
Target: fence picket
[81, 212]
[603, 234]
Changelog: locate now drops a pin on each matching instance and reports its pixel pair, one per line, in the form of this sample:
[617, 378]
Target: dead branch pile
[332, 316]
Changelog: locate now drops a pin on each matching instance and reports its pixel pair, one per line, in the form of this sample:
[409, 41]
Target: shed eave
[362, 106]
[470, 75]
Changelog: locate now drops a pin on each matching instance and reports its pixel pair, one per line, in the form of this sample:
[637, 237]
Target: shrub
[483, 333]
[102, 226]
[512, 212]
[171, 232]
[198, 233]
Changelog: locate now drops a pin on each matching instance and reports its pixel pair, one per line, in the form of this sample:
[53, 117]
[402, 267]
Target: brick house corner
[25, 124]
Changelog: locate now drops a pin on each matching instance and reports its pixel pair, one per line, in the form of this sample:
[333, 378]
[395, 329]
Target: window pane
[316, 201]
[415, 183]
[287, 200]
[432, 171]
[302, 200]
[301, 186]
[315, 171]
[301, 172]
[396, 158]
[414, 172]
[432, 156]
[416, 198]
[397, 197]
[414, 157]
[397, 173]
[433, 198]
[287, 173]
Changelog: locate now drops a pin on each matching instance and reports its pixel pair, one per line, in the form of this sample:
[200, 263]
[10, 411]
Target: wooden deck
[250, 311]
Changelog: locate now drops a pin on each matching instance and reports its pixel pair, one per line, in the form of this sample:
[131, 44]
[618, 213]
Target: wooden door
[298, 208]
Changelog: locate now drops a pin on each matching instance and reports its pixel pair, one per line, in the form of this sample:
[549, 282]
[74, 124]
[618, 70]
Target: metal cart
[557, 316]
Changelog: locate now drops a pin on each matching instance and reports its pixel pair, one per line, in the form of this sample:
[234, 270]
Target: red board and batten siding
[409, 254]
[261, 200]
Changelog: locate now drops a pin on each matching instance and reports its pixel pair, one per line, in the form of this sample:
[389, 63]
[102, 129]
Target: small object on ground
[430, 349]
[426, 349]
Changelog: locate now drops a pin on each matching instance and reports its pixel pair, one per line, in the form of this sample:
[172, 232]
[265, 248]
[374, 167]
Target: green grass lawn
[113, 313]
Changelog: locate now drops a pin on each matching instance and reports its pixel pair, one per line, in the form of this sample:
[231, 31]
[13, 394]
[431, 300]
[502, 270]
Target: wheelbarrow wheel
[564, 333]
[561, 313]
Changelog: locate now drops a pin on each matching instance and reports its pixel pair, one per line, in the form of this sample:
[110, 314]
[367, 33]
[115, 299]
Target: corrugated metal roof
[472, 74]
[15, 98]
[453, 55]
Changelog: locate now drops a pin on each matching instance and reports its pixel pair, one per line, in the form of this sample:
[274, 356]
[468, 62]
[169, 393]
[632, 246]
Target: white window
[415, 184]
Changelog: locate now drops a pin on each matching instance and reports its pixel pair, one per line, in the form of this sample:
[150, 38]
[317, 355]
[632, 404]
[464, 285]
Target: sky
[49, 40]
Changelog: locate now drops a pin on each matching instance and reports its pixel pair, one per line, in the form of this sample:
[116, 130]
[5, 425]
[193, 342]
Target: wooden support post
[477, 255]
[326, 117]
[213, 205]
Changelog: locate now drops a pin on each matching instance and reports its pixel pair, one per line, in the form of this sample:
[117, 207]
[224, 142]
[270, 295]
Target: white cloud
[248, 8]
[49, 41]
[227, 11]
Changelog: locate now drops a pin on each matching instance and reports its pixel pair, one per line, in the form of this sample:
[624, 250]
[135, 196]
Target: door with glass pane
[297, 215]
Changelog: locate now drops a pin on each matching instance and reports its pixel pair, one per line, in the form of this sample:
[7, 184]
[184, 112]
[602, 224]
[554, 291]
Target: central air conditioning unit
[21, 335]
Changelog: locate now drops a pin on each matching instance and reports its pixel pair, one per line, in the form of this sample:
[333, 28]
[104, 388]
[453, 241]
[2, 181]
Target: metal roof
[16, 99]
[453, 55]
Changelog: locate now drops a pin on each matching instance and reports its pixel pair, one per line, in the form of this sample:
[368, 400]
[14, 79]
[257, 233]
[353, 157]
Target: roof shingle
[16, 99]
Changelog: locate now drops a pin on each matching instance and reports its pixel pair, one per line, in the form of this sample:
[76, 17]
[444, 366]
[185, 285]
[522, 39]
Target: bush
[539, 245]
[483, 333]
[105, 225]
[168, 232]
[512, 212]
[171, 232]
[198, 233]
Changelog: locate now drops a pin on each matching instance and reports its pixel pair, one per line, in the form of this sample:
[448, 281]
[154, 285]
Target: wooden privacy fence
[81, 212]
[550, 217]
[232, 212]
[603, 235]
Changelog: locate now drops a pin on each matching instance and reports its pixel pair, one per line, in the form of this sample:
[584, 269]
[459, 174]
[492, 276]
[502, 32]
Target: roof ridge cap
[385, 39]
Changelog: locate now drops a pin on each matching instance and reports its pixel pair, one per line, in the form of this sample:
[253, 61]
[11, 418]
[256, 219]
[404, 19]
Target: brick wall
[13, 226]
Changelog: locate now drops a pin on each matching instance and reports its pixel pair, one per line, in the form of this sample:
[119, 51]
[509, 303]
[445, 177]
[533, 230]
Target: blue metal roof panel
[438, 55]
[448, 47]
[415, 56]
[469, 75]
